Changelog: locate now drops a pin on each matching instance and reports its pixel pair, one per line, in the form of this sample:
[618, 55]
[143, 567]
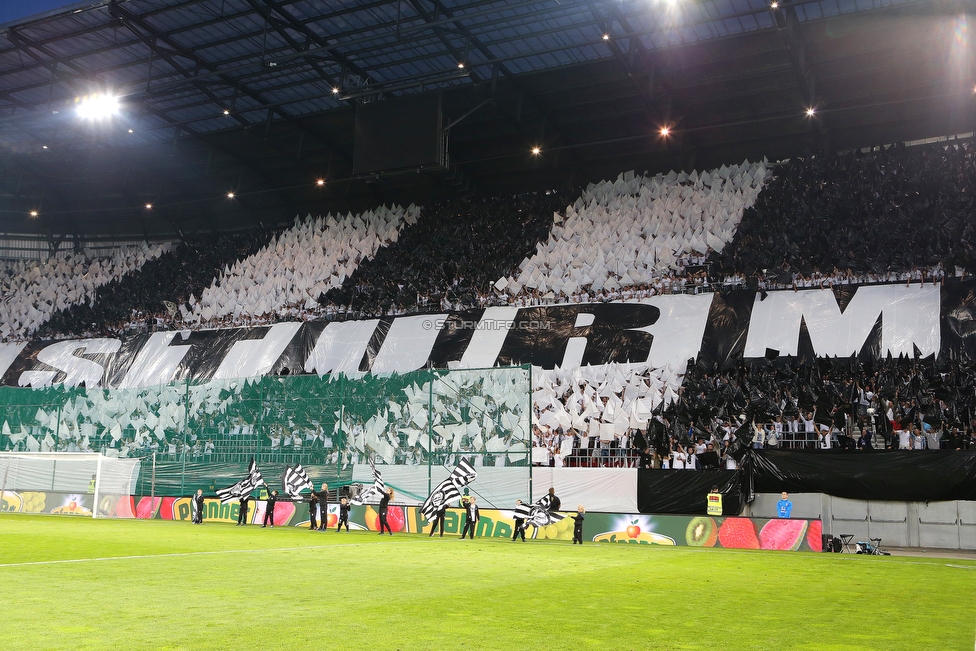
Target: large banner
[901, 475]
[721, 328]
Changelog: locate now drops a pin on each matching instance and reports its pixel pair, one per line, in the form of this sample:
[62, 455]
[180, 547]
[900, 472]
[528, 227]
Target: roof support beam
[806, 81]
[131, 21]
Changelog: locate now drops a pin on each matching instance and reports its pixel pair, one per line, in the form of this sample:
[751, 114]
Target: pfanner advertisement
[626, 528]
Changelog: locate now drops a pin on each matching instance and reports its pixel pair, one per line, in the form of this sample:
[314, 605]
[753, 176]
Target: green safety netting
[202, 435]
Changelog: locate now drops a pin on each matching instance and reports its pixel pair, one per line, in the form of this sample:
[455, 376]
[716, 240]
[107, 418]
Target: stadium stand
[285, 278]
[33, 291]
[451, 257]
[638, 236]
[623, 239]
[135, 302]
[895, 214]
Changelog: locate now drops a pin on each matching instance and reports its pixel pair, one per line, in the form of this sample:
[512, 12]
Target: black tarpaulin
[684, 491]
[901, 475]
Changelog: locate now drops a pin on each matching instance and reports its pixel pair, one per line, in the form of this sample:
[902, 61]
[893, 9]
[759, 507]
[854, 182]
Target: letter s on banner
[65, 356]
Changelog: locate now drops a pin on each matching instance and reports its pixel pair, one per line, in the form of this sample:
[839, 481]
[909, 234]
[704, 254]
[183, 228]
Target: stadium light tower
[97, 106]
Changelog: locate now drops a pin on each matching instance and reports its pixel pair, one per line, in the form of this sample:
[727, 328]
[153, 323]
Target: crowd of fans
[139, 300]
[806, 223]
[451, 257]
[285, 278]
[31, 291]
[866, 216]
[638, 235]
[899, 404]
[893, 215]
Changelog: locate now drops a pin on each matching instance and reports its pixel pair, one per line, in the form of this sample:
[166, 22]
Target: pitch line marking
[179, 554]
[360, 544]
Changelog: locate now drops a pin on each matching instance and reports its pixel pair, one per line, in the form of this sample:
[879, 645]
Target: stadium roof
[258, 97]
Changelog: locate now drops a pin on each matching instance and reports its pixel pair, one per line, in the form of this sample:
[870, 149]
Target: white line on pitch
[177, 554]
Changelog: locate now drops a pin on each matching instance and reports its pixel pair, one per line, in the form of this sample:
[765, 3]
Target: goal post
[69, 483]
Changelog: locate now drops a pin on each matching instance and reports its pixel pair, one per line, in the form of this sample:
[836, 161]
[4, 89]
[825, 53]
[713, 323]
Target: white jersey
[904, 439]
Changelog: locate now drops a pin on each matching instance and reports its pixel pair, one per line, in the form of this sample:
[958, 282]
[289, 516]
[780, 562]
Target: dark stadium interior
[732, 82]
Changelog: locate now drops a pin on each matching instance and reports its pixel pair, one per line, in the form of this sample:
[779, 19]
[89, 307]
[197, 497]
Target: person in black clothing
[957, 440]
[646, 458]
[578, 525]
[242, 513]
[554, 502]
[323, 496]
[198, 508]
[343, 515]
[471, 517]
[519, 526]
[313, 505]
[269, 509]
[438, 517]
[384, 508]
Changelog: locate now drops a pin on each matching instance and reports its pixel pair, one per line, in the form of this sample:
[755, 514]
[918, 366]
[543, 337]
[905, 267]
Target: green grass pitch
[80, 584]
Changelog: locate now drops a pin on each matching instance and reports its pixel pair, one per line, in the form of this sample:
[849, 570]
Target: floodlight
[536, 151]
[320, 182]
[33, 213]
[97, 106]
[230, 195]
[665, 131]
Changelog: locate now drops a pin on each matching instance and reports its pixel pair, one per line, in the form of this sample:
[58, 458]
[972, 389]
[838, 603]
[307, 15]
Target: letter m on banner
[909, 319]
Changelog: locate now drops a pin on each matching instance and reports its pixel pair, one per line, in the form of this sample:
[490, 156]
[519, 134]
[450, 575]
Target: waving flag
[295, 481]
[449, 489]
[538, 514]
[244, 486]
[373, 492]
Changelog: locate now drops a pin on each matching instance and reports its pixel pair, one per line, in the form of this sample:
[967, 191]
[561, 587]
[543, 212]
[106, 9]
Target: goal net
[70, 483]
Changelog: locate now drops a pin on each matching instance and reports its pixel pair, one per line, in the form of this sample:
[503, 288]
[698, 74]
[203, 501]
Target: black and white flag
[538, 514]
[371, 493]
[295, 481]
[449, 489]
[244, 486]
